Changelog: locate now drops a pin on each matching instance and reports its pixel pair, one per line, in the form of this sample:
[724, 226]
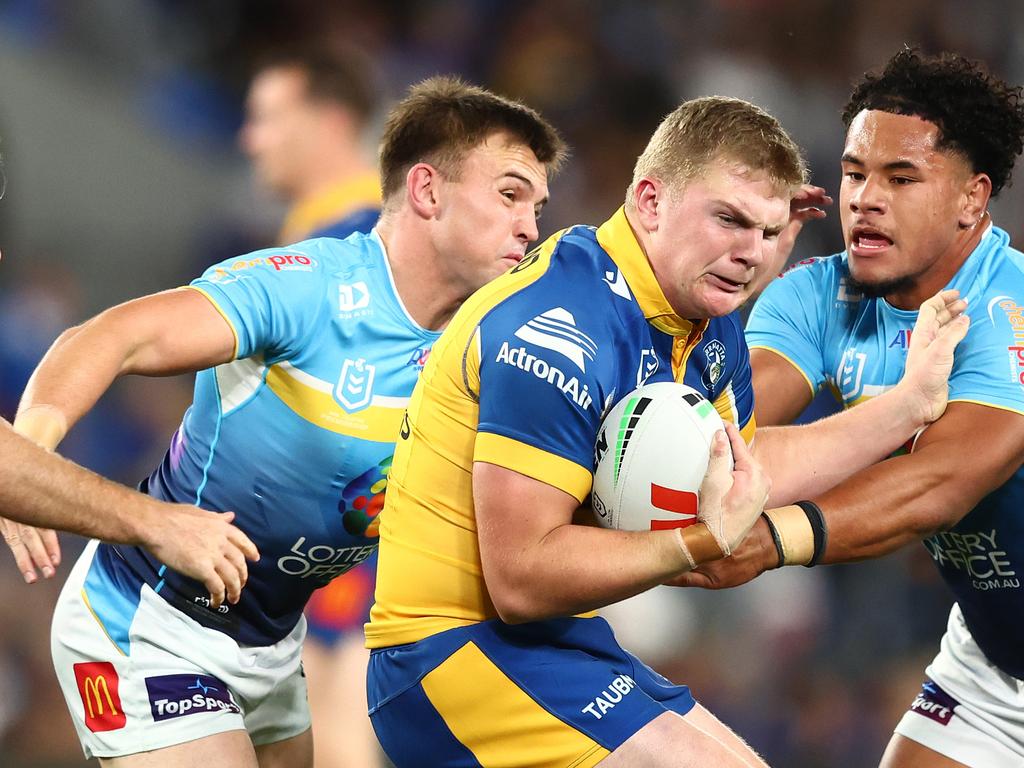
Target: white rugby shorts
[969, 710]
[167, 679]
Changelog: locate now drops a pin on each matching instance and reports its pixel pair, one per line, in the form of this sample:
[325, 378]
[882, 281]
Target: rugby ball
[650, 458]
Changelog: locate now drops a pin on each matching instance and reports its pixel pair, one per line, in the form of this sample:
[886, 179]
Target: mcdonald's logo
[97, 685]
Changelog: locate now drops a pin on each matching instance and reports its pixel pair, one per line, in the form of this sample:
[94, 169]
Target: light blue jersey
[295, 435]
[857, 347]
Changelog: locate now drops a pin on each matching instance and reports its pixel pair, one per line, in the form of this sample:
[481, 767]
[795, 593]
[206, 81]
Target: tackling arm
[781, 392]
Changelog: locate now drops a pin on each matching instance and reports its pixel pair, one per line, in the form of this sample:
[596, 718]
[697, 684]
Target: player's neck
[418, 271]
[945, 267]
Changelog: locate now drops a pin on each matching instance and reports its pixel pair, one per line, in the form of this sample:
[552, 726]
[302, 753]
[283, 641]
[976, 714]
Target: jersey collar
[616, 237]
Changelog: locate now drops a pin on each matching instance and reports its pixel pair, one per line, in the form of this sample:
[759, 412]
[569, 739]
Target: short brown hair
[336, 76]
[715, 127]
[443, 117]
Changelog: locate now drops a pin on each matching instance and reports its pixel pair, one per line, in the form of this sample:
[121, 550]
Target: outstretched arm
[38, 488]
[158, 335]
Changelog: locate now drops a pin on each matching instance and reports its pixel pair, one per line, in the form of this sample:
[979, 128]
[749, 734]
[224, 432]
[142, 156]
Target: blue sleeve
[790, 318]
[271, 298]
[540, 365]
[988, 366]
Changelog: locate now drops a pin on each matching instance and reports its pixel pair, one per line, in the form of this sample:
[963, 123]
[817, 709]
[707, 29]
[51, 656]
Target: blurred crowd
[120, 124]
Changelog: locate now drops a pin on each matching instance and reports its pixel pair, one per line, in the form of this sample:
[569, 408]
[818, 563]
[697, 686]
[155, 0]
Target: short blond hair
[713, 128]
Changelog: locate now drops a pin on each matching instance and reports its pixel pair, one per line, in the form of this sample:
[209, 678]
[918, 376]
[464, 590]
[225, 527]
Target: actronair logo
[556, 330]
[519, 357]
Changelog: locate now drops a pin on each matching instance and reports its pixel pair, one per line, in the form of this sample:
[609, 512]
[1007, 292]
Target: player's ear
[422, 184]
[977, 191]
[647, 199]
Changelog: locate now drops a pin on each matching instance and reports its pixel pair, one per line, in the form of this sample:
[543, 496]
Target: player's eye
[854, 176]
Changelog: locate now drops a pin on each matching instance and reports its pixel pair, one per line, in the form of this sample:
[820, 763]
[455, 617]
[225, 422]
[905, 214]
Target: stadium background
[119, 121]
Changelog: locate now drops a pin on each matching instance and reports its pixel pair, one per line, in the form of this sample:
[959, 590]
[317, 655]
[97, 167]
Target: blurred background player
[307, 132]
[309, 113]
[930, 140]
[305, 368]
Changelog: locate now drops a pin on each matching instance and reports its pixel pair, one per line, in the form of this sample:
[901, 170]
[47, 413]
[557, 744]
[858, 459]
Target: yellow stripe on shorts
[498, 722]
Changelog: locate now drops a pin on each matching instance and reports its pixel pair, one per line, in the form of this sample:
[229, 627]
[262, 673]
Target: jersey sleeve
[988, 366]
[789, 319]
[539, 392]
[270, 298]
[735, 401]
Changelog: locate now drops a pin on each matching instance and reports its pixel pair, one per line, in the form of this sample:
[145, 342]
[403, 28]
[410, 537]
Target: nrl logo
[355, 385]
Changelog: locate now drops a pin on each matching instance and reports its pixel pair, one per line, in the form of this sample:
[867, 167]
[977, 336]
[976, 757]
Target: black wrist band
[776, 539]
[820, 528]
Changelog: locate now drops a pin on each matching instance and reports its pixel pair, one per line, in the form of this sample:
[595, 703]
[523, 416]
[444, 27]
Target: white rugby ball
[650, 458]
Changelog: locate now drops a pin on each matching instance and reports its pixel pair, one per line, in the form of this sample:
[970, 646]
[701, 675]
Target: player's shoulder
[313, 257]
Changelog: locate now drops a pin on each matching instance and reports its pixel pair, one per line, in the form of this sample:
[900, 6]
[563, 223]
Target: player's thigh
[674, 741]
[906, 753]
[231, 749]
[296, 752]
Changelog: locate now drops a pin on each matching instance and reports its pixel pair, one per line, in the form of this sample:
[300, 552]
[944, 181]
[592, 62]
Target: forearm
[44, 490]
[806, 460]
[575, 569]
[80, 366]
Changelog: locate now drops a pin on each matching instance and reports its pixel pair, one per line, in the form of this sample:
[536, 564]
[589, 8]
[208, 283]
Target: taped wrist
[799, 532]
[45, 425]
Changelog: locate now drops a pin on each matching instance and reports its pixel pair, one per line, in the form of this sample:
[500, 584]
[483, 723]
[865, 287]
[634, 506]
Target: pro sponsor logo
[978, 554]
[281, 262]
[1015, 317]
[617, 283]
[97, 685]
[179, 695]
[321, 561]
[934, 703]
[353, 297]
[714, 353]
[556, 330]
[519, 357]
[610, 696]
[797, 264]
[355, 384]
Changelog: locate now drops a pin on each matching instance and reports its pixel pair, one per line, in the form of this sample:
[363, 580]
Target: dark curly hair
[978, 115]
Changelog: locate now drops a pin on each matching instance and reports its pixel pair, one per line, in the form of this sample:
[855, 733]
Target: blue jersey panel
[357, 221]
[296, 435]
[859, 345]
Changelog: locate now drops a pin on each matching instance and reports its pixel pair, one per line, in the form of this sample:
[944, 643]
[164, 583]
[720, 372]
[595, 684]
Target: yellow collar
[618, 240]
[331, 205]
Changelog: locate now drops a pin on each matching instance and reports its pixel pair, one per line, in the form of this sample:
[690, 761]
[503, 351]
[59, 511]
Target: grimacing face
[714, 237]
[488, 215]
[901, 201]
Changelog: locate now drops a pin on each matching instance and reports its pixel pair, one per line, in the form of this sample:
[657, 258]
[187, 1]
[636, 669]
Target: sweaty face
[278, 122]
[900, 201]
[714, 238]
[488, 214]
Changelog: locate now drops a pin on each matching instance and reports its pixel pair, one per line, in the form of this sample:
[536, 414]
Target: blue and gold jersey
[296, 434]
[857, 347]
[350, 206]
[521, 379]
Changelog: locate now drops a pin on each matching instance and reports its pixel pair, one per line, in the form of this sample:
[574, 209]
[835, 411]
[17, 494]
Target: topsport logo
[556, 330]
[179, 695]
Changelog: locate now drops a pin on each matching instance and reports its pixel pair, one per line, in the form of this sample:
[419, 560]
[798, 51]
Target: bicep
[514, 513]
[781, 392]
[170, 332]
